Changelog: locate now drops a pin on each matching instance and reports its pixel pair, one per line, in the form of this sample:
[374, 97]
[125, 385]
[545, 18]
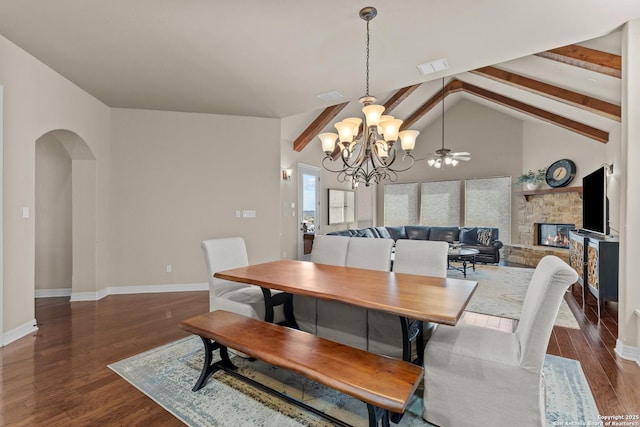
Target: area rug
[501, 291]
[166, 374]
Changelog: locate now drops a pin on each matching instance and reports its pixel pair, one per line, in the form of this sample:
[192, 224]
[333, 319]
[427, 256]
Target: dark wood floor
[59, 376]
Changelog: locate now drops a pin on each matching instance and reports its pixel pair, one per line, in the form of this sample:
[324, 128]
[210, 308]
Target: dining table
[424, 298]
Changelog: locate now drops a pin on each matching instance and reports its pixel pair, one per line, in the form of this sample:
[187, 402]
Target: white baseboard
[628, 352]
[142, 289]
[53, 293]
[19, 332]
[31, 326]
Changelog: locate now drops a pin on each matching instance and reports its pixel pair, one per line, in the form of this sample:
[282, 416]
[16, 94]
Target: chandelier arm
[396, 170]
[330, 161]
[362, 153]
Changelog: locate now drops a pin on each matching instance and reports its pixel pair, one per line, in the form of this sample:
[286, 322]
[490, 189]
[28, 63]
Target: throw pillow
[469, 236]
[484, 236]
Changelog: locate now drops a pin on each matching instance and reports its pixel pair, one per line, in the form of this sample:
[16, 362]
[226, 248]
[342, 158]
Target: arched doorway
[65, 214]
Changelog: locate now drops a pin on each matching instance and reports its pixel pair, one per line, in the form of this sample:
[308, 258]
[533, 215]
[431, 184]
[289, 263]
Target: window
[440, 203]
[488, 204]
[400, 204]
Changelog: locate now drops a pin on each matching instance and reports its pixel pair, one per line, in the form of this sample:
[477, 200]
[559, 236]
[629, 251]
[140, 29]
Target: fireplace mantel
[526, 194]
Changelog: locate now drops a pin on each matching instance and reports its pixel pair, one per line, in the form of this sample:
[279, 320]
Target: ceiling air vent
[330, 96]
[433, 66]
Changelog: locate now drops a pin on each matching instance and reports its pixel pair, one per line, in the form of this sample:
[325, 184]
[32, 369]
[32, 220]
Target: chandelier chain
[367, 56]
[443, 113]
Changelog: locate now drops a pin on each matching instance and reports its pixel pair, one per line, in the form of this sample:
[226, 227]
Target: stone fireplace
[552, 206]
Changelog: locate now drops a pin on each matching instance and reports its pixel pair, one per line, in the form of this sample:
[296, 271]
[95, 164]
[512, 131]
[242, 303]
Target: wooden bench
[384, 384]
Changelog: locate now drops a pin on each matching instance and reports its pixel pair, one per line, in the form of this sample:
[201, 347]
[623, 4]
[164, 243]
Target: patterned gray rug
[166, 374]
[501, 291]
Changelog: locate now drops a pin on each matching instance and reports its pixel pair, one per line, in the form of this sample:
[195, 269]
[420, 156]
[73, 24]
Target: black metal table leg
[286, 300]
[411, 331]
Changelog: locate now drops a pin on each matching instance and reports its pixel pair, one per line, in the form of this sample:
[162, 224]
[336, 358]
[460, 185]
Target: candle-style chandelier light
[368, 155]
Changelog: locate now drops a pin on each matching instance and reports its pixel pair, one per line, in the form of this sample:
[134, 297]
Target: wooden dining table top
[433, 299]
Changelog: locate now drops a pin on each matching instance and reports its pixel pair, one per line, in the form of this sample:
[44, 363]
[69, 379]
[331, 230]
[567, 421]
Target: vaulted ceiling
[607, 64]
[272, 59]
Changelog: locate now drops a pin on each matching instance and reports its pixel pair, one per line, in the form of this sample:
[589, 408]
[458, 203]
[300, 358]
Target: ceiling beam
[575, 99]
[317, 125]
[456, 85]
[563, 122]
[452, 87]
[398, 97]
[589, 59]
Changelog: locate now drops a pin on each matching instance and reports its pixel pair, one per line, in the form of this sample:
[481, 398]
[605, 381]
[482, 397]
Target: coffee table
[463, 256]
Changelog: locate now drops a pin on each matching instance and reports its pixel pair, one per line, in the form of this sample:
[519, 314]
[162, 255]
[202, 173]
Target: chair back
[330, 250]
[220, 255]
[421, 257]
[551, 279]
[372, 254]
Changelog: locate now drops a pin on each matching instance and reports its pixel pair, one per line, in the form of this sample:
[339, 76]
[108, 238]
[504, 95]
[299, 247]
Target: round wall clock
[560, 173]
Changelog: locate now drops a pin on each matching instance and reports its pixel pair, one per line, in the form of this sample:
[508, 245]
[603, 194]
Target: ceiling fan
[444, 156]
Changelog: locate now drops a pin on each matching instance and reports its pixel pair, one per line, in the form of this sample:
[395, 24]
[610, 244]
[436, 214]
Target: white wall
[628, 344]
[36, 101]
[178, 179]
[53, 259]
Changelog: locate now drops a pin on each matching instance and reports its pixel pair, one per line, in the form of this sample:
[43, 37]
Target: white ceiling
[271, 58]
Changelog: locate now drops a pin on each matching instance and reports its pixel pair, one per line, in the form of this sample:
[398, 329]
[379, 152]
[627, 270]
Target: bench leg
[209, 368]
[376, 415]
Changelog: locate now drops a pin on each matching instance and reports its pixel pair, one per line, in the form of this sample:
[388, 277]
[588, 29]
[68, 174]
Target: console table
[595, 258]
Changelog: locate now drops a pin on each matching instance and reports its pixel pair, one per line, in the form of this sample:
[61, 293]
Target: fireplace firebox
[555, 235]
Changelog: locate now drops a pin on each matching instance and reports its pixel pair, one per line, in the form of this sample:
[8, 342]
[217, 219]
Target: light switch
[249, 214]
[25, 213]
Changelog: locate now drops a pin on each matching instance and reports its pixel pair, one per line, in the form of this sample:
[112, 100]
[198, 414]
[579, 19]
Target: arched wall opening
[65, 214]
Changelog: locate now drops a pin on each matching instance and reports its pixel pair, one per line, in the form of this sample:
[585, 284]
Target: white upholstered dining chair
[419, 257]
[248, 300]
[346, 323]
[479, 376]
[330, 250]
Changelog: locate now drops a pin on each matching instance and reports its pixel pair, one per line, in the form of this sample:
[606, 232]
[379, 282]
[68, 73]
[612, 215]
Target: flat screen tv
[595, 205]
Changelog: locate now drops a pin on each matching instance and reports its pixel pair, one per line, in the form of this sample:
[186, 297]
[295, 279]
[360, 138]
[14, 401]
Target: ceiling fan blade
[460, 153]
[464, 159]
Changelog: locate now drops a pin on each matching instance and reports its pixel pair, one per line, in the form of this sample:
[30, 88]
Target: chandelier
[443, 156]
[368, 154]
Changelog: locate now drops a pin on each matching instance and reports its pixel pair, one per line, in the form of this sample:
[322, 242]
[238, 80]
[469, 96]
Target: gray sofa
[484, 239]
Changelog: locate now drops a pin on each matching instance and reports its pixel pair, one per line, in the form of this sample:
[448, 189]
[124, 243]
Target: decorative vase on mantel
[533, 185]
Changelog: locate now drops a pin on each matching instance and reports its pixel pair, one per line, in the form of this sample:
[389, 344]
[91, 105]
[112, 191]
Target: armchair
[479, 376]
